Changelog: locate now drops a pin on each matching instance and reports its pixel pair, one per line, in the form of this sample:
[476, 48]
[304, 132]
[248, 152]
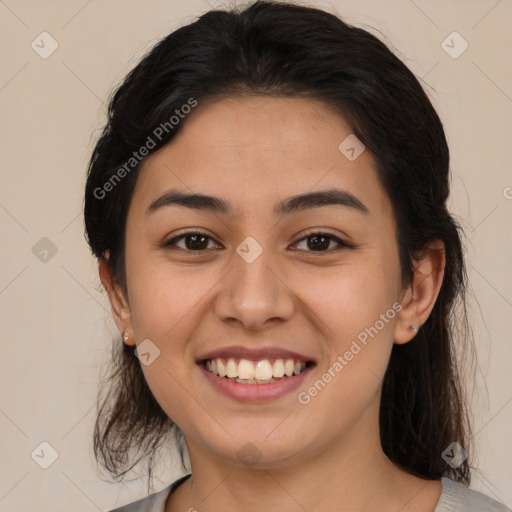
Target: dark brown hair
[280, 49]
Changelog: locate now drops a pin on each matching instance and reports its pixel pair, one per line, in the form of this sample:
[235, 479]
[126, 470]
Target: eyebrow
[297, 203]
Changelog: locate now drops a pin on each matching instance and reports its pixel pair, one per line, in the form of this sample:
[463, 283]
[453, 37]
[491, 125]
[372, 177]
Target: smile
[263, 371]
[253, 389]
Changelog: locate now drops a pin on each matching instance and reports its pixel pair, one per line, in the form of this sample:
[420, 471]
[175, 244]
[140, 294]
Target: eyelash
[342, 245]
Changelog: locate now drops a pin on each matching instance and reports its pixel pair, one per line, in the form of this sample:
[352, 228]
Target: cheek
[163, 299]
[167, 306]
[351, 299]
[356, 314]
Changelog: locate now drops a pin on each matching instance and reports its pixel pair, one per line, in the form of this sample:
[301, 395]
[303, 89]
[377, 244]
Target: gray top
[455, 497]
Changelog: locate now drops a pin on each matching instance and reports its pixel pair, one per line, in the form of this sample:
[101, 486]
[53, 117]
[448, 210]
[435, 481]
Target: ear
[419, 298]
[118, 303]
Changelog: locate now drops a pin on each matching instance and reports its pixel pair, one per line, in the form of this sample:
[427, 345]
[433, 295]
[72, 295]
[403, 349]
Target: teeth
[289, 367]
[278, 368]
[221, 369]
[263, 370]
[231, 369]
[255, 381]
[259, 372]
[246, 370]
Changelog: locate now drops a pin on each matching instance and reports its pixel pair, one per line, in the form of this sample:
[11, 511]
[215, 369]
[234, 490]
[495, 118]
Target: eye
[194, 241]
[320, 242]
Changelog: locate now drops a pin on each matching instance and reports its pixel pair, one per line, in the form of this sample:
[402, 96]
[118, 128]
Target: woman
[267, 203]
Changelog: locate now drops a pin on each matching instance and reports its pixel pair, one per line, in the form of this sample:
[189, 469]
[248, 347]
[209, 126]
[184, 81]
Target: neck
[352, 474]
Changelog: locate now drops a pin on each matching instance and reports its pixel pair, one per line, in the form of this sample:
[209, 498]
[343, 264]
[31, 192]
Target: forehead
[258, 148]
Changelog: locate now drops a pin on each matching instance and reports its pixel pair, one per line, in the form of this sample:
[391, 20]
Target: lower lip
[255, 392]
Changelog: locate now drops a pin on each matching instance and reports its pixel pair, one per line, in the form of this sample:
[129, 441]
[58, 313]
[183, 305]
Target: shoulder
[457, 497]
[154, 502]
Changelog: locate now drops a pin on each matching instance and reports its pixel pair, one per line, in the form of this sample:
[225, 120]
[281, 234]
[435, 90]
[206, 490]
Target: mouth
[256, 371]
[255, 375]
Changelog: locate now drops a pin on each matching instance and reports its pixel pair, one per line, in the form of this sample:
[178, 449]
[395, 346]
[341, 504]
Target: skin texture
[254, 152]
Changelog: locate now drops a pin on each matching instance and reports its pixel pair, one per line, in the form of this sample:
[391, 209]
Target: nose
[255, 295]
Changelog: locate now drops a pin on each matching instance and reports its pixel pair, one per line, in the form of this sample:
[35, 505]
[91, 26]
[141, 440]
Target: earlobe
[421, 295]
[118, 303]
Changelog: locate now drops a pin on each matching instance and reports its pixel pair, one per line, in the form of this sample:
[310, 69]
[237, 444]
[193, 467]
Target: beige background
[55, 322]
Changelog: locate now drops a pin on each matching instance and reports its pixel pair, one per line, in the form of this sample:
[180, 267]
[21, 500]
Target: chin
[261, 450]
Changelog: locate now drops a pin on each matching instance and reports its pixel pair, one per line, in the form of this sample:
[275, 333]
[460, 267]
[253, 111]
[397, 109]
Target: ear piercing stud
[414, 328]
[126, 337]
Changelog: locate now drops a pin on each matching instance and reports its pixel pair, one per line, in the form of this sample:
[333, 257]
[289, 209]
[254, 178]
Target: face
[314, 282]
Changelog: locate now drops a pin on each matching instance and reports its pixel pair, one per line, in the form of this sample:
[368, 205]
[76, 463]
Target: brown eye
[193, 241]
[320, 242]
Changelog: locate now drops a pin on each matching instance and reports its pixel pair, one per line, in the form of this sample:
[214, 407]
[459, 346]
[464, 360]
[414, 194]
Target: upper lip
[256, 354]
